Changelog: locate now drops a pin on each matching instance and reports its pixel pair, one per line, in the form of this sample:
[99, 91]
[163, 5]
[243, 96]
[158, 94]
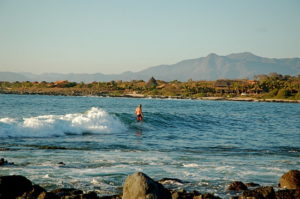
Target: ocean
[94, 143]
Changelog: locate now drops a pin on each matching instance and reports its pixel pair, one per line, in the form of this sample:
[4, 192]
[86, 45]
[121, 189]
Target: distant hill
[211, 67]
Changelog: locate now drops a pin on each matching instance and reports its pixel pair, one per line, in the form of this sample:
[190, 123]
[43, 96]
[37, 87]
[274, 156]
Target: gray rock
[140, 186]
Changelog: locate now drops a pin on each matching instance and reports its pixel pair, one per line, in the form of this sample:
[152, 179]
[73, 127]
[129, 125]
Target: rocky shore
[141, 186]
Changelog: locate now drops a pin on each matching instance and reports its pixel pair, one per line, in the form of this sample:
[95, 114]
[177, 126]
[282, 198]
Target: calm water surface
[208, 144]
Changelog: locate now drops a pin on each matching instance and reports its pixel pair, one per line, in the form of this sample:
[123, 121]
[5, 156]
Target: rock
[237, 186]
[247, 194]
[297, 194]
[170, 181]
[183, 194]
[290, 180]
[111, 197]
[267, 192]
[140, 186]
[61, 164]
[90, 195]
[285, 194]
[252, 184]
[47, 195]
[66, 192]
[259, 193]
[33, 194]
[4, 162]
[206, 196]
[69, 193]
[14, 186]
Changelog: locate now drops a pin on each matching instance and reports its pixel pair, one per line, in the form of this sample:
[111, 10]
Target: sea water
[94, 143]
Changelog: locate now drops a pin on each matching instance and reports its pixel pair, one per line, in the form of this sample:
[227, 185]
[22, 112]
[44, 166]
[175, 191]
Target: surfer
[139, 113]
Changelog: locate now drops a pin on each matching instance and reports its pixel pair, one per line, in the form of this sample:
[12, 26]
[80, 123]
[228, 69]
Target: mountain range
[211, 67]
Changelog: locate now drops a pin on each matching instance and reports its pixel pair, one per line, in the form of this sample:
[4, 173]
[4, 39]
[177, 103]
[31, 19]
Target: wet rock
[111, 197]
[61, 164]
[297, 193]
[290, 180]
[267, 192]
[251, 194]
[170, 181]
[48, 195]
[73, 194]
[4, 162]
[33, 194]
[90, 195]
[139, 185]
[52, 147]
[14, 186]
[237, 186]
[285, 194]
[66, 192]
[259, 193]
[207, 196]
[252, 184]
[183, 194]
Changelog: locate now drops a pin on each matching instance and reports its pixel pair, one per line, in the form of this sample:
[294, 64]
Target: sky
[114, 36]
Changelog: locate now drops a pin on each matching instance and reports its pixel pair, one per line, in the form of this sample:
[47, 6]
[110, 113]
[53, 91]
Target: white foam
[7, 120]
[192, 165]
[94, 120]
[46, 176]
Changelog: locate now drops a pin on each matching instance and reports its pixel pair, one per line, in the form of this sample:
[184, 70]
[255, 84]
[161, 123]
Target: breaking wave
[93, 121]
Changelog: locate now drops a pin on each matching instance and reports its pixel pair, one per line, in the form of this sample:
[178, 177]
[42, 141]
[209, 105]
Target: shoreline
[134, 95]
[140, 185]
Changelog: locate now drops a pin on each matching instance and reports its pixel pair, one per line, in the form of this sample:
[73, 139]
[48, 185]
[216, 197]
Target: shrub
[297, 96]
[272, 93]
[283, 93]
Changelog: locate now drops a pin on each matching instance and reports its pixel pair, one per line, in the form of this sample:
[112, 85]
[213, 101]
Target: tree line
[272, 85]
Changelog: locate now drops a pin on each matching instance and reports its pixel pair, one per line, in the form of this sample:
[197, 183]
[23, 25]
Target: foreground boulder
[33, 193]
[140, 186]
[45, 195]
[14, 186]
[259, 193]
[183, 194]
[66, 192]
[290, 180]
[237, 186]
[286, 194]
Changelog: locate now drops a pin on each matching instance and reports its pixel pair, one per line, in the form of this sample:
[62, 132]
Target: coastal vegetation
[271, 86]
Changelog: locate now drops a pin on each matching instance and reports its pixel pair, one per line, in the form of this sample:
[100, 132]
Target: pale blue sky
[113, 36]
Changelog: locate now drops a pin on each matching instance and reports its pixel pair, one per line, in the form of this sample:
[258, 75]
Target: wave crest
[95, 120]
